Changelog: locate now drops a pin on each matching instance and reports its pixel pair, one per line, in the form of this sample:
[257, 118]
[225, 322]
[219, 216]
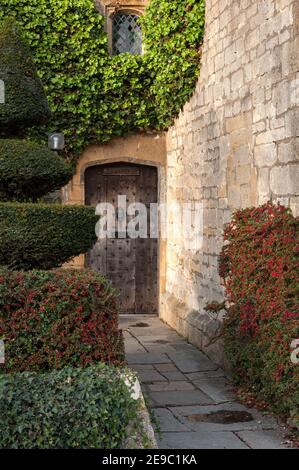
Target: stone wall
[235, 144]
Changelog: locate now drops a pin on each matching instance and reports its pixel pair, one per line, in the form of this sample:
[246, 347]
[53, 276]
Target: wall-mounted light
[56, 141]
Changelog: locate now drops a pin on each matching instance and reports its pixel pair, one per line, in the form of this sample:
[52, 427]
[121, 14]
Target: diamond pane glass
[126, 34]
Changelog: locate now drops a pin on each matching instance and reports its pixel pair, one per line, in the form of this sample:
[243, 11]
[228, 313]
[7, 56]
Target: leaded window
[126, 34]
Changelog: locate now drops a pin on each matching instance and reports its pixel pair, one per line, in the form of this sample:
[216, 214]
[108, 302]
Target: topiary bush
[29, 171]
[50, 320]
[259, 267]
[25, 100]
[44, 236]
[94, 96]
[72, 408]
[34, 236]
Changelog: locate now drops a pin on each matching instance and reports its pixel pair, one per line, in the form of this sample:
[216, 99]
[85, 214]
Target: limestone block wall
[235, 144]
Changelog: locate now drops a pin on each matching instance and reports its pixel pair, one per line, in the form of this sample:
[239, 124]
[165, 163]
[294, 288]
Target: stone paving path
[192, 398]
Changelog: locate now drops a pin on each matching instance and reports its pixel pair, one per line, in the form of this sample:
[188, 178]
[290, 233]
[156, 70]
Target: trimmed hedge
[260, 269]
[25, 100]
[29, 171]
[94, 96]
[44, 236]
[73, 408]
[53, 319]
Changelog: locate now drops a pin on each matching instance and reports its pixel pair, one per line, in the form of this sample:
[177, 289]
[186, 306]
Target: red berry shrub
[259, 267]
[52, 319]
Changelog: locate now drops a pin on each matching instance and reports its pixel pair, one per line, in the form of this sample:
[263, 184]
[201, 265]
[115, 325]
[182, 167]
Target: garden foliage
[34, 235]
[53, 319]
[65, 320]
[29, 171]
[44, 236]
[94, 96]
[87, 408]
[25, 99]
[259, 266]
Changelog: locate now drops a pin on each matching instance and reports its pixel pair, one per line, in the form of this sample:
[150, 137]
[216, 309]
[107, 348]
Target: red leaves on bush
[259, 264]
[259, 268]
[50, 319]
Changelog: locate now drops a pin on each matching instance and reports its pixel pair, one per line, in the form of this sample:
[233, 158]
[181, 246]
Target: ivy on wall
[94, 96]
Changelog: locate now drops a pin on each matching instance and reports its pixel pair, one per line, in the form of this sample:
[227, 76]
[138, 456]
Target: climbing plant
[94, 96]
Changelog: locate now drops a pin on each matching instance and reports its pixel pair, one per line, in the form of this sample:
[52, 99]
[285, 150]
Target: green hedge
[25, 100]
[41, 236]
[73, 408]
[53, 319]
[260, 270]
[94, 96]
[29, 171]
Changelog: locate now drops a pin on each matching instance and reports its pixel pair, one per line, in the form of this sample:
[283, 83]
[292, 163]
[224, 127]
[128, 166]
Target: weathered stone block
[288, 151]
[234, 197]
[284, 180]
[265, 155]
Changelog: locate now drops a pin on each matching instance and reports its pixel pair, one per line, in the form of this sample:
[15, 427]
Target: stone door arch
[131, 264]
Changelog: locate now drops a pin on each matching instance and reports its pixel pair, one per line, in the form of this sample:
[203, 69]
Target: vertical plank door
[130, 264]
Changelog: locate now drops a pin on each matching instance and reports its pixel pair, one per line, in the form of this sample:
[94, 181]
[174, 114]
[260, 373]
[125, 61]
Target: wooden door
[130, 264]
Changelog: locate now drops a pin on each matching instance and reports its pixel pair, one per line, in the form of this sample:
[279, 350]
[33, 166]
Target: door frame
[143, 148]
[161, 196]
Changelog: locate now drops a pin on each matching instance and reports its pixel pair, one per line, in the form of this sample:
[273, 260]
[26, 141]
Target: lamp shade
[56, 141]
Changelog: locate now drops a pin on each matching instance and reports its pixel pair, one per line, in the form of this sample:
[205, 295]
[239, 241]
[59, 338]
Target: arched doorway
[131, 264]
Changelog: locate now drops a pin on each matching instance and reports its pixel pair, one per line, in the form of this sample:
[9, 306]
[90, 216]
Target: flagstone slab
[149, 376]
[142, 367]
[197, 376]
[171, 386]
[263, 439]
[194, 361]
[166, 338]
[168, 422]
[168, 367]
[171, 398]
[191, 415]
[134, 347]
[153, 332]
[218, 388]
[200, 440]
[173, 376]
[147, 358]
[158, 348]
